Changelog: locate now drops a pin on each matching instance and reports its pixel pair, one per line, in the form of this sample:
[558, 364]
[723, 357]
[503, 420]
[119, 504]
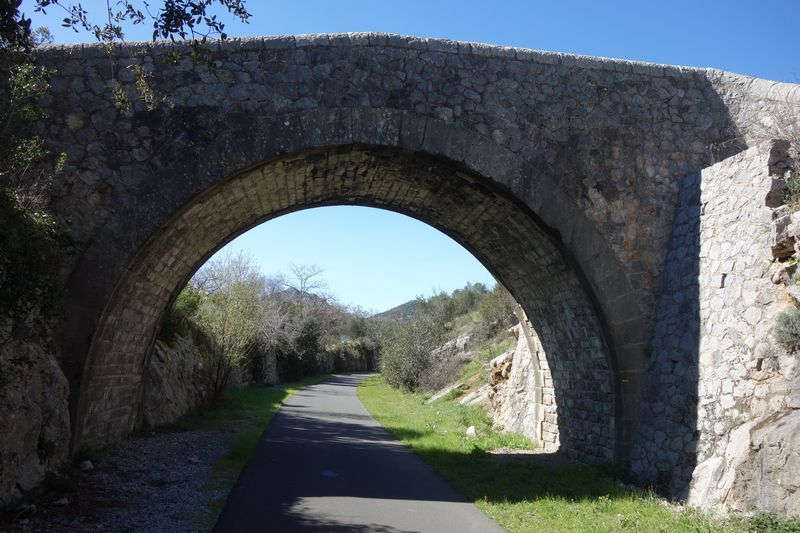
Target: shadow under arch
[515, 245]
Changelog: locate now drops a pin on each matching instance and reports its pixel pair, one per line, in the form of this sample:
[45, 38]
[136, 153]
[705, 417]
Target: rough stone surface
[768, 479]
[479, 396]
[523, 399]
[426, 188]
[444, 391]
[719, 416]
[453, 347]
[179, 378]
[33, 417]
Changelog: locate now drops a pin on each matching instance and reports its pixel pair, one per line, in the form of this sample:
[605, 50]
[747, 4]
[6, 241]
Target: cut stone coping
[760, 88]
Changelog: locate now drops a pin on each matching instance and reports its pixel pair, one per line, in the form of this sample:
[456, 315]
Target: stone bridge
[560, 173]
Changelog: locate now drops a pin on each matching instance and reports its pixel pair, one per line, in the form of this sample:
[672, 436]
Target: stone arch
[502, 232]
[189, 170]
[593, 150]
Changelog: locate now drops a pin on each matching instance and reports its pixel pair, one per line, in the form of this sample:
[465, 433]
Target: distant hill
[402, 312]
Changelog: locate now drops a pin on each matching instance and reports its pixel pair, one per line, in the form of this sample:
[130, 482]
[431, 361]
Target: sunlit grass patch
[525, 495]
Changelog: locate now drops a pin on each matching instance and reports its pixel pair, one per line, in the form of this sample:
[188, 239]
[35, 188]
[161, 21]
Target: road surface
[324, 464]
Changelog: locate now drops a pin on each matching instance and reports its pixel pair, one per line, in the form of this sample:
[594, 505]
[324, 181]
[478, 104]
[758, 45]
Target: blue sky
[372, 258]
[376, 259]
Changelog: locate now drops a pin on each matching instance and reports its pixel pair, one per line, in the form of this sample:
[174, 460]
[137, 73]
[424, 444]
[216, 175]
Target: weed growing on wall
[787, 329]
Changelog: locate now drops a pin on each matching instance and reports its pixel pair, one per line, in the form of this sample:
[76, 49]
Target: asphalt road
[324, 464]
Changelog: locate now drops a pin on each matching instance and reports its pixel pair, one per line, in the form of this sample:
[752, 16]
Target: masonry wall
[594, 148]
[723, 397]
[524, 401]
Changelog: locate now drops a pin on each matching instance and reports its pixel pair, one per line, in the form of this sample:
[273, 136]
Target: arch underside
[501, 233]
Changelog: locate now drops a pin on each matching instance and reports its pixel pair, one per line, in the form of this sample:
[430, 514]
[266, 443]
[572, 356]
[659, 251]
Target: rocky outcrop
[479, 396]
[766, 469]
[453, 347]
[447, 361]
[521, 396]
[785, 230]
[179, 378]
[34, 416]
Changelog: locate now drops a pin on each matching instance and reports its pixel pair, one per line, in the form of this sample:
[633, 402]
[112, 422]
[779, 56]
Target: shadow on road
[325, 464]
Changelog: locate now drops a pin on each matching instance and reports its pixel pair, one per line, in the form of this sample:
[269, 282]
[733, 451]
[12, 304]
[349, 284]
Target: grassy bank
[522, 495]
[247, 412]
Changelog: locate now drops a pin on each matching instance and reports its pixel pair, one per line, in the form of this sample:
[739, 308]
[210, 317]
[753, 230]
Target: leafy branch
[184, 19]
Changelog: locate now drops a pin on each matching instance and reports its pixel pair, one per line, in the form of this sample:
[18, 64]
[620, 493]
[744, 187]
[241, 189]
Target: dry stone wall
[723, 397]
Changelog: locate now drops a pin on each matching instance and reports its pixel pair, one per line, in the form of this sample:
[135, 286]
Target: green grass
[452, 395]
[522, 495]
[246, 411]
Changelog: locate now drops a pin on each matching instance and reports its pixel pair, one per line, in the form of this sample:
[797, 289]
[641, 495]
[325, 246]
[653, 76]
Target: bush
[29, 261]
[406, 349]
[29, 242]
[406, 346]
[787, 329]
[496, 311]
[440, 373]
[178, 319]
[353, 355]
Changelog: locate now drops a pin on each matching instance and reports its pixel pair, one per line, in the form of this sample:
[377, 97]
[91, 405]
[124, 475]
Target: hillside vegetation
[408, 345]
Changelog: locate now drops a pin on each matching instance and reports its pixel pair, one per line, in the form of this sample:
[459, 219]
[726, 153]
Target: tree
[496, 310]
[232, 313]
[406, 347]
[307, 281]
[29, 241]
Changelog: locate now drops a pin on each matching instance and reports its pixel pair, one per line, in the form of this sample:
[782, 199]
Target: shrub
[787, 329]
[792, 196]
[406, 349]
[441, 373]
[29, 242]
[406, 346]
[353, 356]
[29, 261]
[178, 319]
[496, 311]
[231, 313]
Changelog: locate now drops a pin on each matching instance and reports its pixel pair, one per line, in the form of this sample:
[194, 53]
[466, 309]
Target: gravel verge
[158, 482]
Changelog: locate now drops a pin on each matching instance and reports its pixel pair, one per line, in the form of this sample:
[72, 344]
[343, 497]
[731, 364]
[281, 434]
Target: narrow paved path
[324, 464]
